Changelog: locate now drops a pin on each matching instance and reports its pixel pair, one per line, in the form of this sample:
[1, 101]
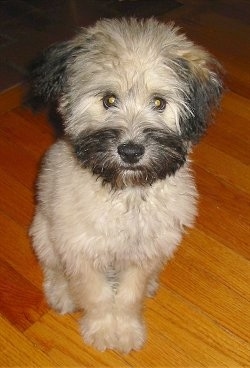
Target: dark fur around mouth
[96, 150]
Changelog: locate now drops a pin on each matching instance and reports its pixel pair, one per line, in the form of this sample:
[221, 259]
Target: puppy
[116, 193]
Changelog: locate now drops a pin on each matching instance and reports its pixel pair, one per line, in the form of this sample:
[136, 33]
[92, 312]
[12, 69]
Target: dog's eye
[159, 103]
[109, 101]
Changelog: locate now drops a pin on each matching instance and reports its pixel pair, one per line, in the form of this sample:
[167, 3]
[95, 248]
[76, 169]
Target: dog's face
[134, 96]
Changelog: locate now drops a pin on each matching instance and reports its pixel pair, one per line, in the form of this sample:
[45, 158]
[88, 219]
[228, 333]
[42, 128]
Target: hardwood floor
[200, 316]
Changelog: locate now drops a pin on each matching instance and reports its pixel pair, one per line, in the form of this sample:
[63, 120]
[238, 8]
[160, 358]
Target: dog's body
[116, 193]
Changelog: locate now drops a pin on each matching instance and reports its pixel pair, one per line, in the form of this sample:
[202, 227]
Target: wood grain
[200, 316]
[12, 98]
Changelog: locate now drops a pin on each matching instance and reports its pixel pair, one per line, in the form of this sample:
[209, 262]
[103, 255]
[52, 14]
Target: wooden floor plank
[216, 162]
[201, 286]
[229, 125]
[59, 337]
[11, 98]
[18, 162]
[16, 129]
[15, 199]
[21, 302]
[194, 333]
[218, 259]
[16, 251]
[238, 106]
[223, 211]
[17, 351]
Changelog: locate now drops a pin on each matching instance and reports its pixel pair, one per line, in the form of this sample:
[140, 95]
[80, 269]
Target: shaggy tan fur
[104, 225]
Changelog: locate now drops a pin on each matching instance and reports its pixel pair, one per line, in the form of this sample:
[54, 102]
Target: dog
[116, 191]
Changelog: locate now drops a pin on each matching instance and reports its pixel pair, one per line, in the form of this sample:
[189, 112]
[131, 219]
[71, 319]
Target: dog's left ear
[48, 73]
[201, 74]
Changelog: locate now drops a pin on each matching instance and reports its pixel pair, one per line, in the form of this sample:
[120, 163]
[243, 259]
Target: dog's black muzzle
[159, 154]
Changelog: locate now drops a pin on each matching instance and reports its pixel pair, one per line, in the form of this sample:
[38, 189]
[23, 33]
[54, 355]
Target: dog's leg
[129, 302]
[55, 283]
[57, 291]
[95, 295]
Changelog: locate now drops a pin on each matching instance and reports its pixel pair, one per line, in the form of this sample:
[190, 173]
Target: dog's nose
[131, 152]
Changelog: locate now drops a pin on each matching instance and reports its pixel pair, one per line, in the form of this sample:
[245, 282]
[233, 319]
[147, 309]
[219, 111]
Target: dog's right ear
[47, 74]
[203, 77]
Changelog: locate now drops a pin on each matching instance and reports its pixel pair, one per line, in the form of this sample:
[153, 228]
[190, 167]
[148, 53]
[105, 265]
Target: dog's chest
[133, 225]
[128, 227]
[132, 219]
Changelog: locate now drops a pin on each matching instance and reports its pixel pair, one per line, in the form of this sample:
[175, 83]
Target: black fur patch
[95, 150]
[168, 151]
[202, 98]
[47, 74]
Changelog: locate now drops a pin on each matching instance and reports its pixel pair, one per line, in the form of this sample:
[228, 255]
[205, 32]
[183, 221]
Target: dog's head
[133, 95]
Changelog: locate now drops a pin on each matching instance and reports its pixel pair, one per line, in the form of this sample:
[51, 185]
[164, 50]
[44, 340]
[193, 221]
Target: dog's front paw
[131, 333]
[99, 332]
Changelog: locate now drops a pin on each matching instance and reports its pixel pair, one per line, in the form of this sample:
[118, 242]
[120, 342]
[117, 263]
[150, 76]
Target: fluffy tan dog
[116, 192]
